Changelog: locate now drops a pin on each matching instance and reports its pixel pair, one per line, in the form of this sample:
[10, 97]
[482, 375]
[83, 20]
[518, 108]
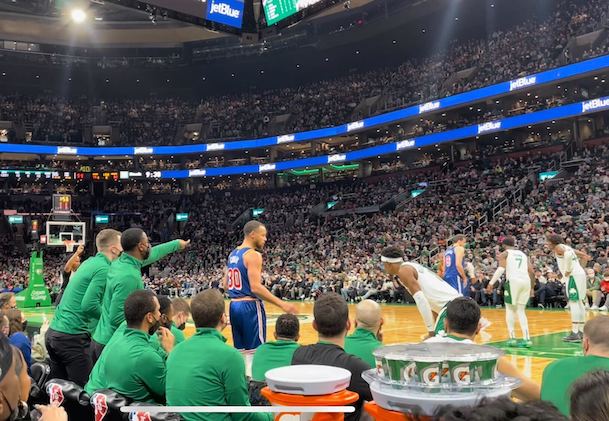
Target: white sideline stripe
[237, 409]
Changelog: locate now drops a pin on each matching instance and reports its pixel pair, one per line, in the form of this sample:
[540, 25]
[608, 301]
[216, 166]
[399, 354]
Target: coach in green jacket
[133, 366]
[365, 340]
[68, 337]
[124, 277]
[204, 370]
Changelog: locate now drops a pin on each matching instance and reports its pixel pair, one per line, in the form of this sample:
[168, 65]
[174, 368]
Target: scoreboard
[278, 10]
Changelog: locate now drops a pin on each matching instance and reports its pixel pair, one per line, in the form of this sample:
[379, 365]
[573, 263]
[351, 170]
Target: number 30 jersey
[517, 266]
[237, 280]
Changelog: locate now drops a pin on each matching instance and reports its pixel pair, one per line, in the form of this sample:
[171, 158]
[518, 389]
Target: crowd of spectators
[526, 48]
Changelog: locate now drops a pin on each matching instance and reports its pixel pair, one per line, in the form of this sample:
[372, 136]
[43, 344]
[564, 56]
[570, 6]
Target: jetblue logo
[266, 167]
[224, 9]
[285, 138]
[404, 144]
[215, 146]
[196, 173]
[595, 104]
[143, 150]
[355, 125]
[336, 158]
[66, 150]
[523, 82]
[430, 106]
[487, 127]
[226, 12]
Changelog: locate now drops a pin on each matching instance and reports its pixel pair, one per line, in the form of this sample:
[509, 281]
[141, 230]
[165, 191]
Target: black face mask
[167, 325]
[24, 325]
[182, 326]
[152, 330]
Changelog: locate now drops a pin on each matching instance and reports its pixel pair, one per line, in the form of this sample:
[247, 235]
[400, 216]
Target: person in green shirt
[204, 370]
[277, 353]
[124, 277]
[68, 338]
[181, 314]
[561, 374]
[97, 378]
[368, 333]
[133, 367]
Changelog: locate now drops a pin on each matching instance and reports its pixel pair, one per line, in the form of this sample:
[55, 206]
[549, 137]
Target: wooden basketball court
[403, 324]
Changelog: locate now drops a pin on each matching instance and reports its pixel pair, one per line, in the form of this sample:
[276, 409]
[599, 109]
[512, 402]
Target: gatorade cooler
[309, 385]
[380, 414]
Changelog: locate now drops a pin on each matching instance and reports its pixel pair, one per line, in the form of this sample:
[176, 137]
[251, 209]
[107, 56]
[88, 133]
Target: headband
[392, 259]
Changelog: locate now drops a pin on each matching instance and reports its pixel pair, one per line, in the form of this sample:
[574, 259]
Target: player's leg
[510, 321]
[235, 314]
[521, 293]
[576, 294]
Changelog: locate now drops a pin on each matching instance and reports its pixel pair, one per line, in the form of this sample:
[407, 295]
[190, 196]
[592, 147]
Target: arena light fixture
[78, 15]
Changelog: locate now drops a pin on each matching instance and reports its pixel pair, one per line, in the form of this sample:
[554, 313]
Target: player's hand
[289, 308]
[166, 339]
[52, 413]
[184, 244]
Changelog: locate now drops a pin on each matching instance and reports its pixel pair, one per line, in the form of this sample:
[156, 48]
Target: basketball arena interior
[315, 210]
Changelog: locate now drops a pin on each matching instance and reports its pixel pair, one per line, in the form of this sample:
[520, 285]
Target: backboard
[59, 231]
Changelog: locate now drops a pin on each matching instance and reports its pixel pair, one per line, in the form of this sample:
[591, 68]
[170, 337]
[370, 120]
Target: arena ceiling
[109, 25]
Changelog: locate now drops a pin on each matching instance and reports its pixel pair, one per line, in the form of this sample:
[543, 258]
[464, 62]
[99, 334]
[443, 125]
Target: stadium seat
[145, 416]
[71, 396]
[106, 405]
[40, 373]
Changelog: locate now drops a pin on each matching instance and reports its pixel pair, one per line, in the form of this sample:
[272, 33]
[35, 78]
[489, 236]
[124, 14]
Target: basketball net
[69, 245]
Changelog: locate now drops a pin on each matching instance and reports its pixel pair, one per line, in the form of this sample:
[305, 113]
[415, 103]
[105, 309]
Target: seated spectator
[331, 321]
[17, 335]
[604, 288]
[181, 314]
[502, 409]
[204, 370]
[462, 324]
[590, 397]
[7, 301]
[14, 382]
[368, 335]
[560, 375]
[551, 289]
[133, 368]
[278, 353]
[593, 289]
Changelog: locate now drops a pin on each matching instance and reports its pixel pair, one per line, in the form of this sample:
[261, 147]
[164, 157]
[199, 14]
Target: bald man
[368, 334]
[561, 374]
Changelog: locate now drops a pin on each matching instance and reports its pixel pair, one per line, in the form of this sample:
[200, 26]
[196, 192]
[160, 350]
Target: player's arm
[560, 251]
[583, 257]
[441, 267]
[408, 277]
[72, 260]
[92, 300]
[528, 389]
[253, 263]
[531, 270]
[459, 256]
[162, 250]
[501, 264]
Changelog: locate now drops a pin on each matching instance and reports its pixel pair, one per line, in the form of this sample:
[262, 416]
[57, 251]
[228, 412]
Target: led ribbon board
[549, 76]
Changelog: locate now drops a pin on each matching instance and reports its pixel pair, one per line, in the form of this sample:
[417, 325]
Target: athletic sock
[524, 323]
[510, 320]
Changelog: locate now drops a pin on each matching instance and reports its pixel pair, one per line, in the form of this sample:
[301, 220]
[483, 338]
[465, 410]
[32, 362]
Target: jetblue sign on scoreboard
[226, 12]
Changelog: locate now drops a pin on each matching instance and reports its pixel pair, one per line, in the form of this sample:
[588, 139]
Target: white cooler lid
[308, 380]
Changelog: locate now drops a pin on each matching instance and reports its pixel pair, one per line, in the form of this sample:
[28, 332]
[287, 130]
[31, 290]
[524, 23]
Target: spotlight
[78, 15]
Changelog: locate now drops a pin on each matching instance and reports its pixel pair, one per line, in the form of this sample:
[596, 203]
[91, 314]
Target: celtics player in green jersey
[519, 285]
[574, 278]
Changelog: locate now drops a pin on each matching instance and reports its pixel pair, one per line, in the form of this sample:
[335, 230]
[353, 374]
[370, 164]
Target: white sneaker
[594, 308]
[604, 308]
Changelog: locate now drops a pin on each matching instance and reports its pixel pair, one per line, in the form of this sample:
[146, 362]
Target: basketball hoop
[69, 245]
